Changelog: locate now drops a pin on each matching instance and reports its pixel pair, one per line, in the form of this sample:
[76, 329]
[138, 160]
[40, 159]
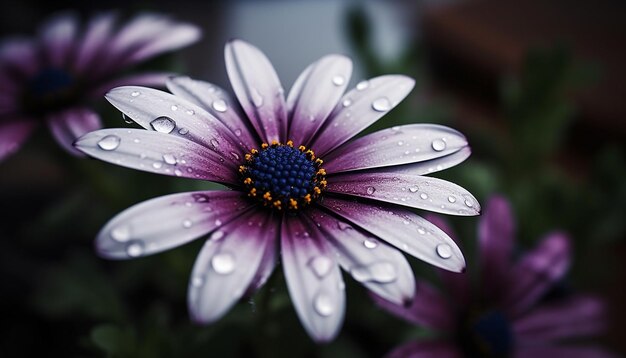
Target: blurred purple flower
[322, 217]
[507, 313]
[51, 78]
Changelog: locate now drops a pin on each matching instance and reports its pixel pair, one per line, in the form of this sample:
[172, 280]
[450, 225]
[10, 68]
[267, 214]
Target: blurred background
[536, 86]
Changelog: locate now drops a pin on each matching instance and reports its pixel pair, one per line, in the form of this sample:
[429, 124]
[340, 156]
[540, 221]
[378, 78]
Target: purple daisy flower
[49, 79]
[297, 182]
[504, 315]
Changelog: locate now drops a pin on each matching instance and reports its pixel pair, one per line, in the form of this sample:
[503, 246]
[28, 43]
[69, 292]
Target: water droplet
[438, 145]
[169, 159]
[190, 112]
[223, 263]
[163, 125]
[187, 223]
[157, 165]
[323, 305]
[215, 143]
[370, 244]
[174, 107]
[382, 272]
[220, 105]
[217, 235]
[338, 80]
[238, 132]
[200, 198]
[421, 231]
[370, 190]
[381, 105]
[197, 281]
[218, 222]
[342, 225]
[346, 102]
[134, 248]
[362, 85]
[183, 131]
[451, 199]
[469, 203]
[126, 119]
[424, 196]
[413, 189]
[121, 233]
[321, 266]
[135, 93]
[444, 251]
[400, 143]
[257, 99]
[110, 142]
[235, 155]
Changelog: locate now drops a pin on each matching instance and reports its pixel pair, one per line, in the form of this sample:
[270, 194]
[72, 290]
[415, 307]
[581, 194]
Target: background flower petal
[71, 124]
[57, 37]
[228, 263]
[315, 94]
[258, 89]
[419, 192]
[313, 279]
[425, 349]
[13, 134]
[94, 41]
[359, 108]
[166, 222]
[403, 229]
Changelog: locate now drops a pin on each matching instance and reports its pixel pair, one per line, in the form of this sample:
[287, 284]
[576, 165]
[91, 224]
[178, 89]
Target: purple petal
[359, 108]
[495, 232]
[407, 190]
[313, 279]
[150, 79]
[166, 222]
[557, 352]
[578, 316]
[537, 271]
[94, 41]
[428, 166]
[177, 36]
[394, 146]
[266, 267]
[428, 308]
[228, 263]
[71, 124]
[166, 113]
[379, 267]
[403, 229]
[157, 153]
[57, 38]
[315, 94]
[457, 286]
[13, 134]
[425, 349]
[258, 89]
[20, 54]
[217, 102]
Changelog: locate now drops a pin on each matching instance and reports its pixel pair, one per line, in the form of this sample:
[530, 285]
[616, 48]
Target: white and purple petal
[378, 266]
[315, 94]
[228, 263]
[166, 222]
[168, 114]
[414, 191]
[176, 36]
[20, 54]
[258, 89]
[71, 124]
[360, 108]
[313, 278]
[57, 36]
[428, 166]
[157, 153]
[94, 41]
[396, 146]
[149, 79]
[403, 229]
[13, 134]
[217, 102]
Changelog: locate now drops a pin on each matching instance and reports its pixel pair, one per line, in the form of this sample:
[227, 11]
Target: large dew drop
[220, 105]
[163, 124]
[134, 248]
[444, 251]
[438, 145]
[381, 105]
[381, 272]
[323, 305]
[110, 142]
[321, 266]
[121, 233]
[338, 80]
[223, 263]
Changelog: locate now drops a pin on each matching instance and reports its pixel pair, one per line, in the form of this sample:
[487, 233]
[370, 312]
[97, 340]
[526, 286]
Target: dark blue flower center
[50, 82]
[490, 335]
[282, 176]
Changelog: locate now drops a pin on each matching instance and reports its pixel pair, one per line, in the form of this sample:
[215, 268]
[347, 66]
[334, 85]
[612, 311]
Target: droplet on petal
[370, 244]
[110, 142]
[321, 266]
[323, 305]
[134, 248]
[338, 80]
[163, 124]
[438, 145]
[121, 233]
[220, 105]
[223, 263]
[370, 190]
[169, 159]
[382, 272]
[381, 105]
[362, 85]
[444, 251]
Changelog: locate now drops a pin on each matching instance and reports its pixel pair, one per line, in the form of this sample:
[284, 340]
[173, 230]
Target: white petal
[360, 108]
[379, 267]
[428, 166]
[157, 153]
[313, 279]
[169, 221]
[258, 89]
[402, 229]
[228, 263]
